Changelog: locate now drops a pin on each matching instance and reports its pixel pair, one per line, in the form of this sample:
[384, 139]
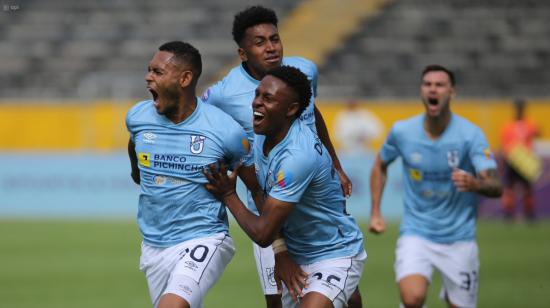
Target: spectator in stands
[260, 48]
[303, 196]
[186, 245]
[521, 166]
[356, 128]
[446, 163]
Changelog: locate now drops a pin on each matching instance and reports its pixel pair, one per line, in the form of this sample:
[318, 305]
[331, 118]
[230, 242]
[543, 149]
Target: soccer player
[304, 200]
[186, 245]
[260, 48]
[446, 163]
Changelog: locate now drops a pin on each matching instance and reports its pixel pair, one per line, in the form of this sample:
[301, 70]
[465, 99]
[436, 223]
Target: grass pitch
[57, 264]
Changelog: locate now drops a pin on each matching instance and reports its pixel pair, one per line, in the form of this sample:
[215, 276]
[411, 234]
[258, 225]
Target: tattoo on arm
[489, 183]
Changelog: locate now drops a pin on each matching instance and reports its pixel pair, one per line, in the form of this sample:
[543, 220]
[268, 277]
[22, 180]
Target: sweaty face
[262, 49]
[162, 79]
[273, 106]
[436, 92]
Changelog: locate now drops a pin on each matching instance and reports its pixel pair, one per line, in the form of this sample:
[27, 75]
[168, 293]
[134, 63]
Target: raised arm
[323, 134]
[133, 162]
[377, 183]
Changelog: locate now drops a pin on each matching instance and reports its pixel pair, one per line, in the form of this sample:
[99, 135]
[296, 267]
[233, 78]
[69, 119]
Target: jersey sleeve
[130, 123]
[389, 150]
[213, 95]
[480, 154]
[292, 175]
[238, 147]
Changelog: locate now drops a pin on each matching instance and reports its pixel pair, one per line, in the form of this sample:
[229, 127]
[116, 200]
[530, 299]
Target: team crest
[197, 144]
[453, 159]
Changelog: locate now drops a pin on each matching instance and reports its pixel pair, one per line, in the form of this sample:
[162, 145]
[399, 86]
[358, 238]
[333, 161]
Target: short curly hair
[295, 79]
[250, 17]
[187, 54]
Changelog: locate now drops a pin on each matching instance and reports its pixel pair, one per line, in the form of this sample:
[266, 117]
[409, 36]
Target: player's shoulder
[305, 65]
[140, 110]
[408, 125]
[219, 119]
[236, 82]
[464, 126]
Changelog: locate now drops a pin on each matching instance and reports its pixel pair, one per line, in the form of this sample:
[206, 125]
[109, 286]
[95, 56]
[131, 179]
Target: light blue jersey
[235, 92]
[174, 206]
[299, 170]
[434, 208]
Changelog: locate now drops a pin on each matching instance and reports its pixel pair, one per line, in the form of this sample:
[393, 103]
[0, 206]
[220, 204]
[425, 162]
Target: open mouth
[154, 94]
[433, 101]
[258, 117]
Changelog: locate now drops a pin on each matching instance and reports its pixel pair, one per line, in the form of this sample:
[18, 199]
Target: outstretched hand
[220, 184]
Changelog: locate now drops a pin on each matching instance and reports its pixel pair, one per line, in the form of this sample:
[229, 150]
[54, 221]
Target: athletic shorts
[336, 279]
[458, 264]
[265, 265]
[188, 269]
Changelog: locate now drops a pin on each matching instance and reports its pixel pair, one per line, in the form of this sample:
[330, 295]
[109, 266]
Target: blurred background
[70, 70]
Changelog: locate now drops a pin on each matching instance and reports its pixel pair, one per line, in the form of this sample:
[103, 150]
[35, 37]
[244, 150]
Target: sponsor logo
[415, 174]
[159, 179]
[149, 138]
[246, 145]
[453, 158]
[197, 144]
[144, 159]
[283, 179]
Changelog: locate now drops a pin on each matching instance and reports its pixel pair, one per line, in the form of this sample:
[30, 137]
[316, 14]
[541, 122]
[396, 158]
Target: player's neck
[435, 126]
[274, 138]
[186, 107]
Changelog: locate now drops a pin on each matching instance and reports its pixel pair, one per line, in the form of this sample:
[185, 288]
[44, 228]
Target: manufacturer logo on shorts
[191, 265]
[197, 144]
[149, 138]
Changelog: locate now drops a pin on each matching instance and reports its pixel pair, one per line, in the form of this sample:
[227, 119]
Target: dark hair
[250, 17]
[296, 80]
[187, 54]
[439, 68]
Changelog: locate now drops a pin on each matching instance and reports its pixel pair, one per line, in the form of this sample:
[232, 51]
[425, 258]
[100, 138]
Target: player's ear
[242, 54]
[186, 78]
[292, 110]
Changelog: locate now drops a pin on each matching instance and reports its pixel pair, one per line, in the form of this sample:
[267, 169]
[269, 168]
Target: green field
[83, 264]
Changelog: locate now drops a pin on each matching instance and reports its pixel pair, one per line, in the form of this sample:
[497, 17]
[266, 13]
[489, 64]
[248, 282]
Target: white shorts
[265, 265]
[188, 269]
[336, 279]
[458, 264]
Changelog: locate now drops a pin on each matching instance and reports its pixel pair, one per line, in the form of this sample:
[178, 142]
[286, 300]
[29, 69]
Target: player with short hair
[303, 195]
[446, 163]
[186, 245]
[260, 48]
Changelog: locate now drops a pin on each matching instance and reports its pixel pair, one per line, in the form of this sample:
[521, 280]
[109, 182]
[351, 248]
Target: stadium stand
[497, 48]
[99, 49]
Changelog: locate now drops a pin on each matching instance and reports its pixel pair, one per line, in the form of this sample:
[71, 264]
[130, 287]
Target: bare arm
[487, 182]
[378, 178]
[323, 134]
[248, 176]
[133, 161]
